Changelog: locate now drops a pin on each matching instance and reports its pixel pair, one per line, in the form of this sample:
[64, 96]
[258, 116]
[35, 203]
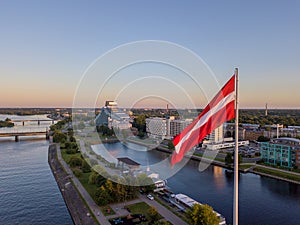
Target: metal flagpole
[236, 155]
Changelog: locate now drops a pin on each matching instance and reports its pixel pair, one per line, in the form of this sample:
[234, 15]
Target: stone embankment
[76, 206]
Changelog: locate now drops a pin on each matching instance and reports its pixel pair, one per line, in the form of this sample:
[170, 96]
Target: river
[28, 190]
[262, 200]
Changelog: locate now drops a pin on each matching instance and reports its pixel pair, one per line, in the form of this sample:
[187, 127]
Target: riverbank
[251, 168]
[75, 204]
[270, 172]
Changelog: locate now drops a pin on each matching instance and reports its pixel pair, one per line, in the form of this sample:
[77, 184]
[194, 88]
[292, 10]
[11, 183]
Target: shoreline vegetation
[6, 123]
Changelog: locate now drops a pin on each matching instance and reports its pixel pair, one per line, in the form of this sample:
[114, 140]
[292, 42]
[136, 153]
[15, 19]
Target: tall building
[157, 127]
[217, 136]
[111, 116]
[283, 152]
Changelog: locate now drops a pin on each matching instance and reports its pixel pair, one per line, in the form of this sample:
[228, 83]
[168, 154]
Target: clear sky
[47, 45]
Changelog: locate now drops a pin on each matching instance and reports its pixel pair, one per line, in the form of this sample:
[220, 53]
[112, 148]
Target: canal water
[28, 190]
[261, 200]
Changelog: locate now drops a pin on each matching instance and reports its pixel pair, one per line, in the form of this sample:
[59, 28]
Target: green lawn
[277, 173]
[84, 177]
[90, 188]
[243, 167]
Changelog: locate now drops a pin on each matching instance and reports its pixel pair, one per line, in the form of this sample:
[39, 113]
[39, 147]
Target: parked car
[150, 197]
[118, 221]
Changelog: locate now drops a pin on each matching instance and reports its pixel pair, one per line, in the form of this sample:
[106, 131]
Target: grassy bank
[277, 173]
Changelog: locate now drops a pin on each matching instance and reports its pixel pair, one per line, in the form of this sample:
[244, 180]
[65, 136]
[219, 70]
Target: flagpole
[236, 155]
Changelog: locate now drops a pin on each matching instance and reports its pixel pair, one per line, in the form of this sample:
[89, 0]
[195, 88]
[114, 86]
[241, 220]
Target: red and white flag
[219, 110]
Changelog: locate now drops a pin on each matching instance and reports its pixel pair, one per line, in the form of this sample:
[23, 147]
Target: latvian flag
[218, 111]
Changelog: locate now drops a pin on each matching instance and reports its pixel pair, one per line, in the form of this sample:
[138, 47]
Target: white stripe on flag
[221, 104]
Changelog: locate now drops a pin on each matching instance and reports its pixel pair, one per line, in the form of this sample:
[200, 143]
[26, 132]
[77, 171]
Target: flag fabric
[219, 110]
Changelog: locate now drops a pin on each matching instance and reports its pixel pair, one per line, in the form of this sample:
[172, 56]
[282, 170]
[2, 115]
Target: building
[283, 152]
[176, 126]
[157, 127]
[225, 144]
[216, 135]
[161, 128]
[110, 115]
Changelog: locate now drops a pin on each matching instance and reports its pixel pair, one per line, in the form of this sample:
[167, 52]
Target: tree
[153, 214]
[145, 182]
[75, 161]
[109, 186]
[229, 159]
[85, 167]
[263, 139]
[102, 196]
[202, 215]
[59, 137]
[77, 172]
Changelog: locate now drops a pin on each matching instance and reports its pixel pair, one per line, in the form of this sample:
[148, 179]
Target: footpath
[76, 206]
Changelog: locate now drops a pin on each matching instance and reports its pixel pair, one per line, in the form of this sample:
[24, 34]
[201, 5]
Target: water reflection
[219, 177]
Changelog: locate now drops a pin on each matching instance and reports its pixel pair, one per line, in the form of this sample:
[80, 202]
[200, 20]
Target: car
[150, 197]
[118, 221]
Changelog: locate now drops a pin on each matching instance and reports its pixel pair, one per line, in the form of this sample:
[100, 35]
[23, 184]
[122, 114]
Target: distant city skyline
[47, 46]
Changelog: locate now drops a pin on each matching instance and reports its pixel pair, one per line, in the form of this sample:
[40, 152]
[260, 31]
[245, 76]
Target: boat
[184, 202]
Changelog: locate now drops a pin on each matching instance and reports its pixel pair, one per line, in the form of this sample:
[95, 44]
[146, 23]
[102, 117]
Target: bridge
[33, 120]
[17, 132]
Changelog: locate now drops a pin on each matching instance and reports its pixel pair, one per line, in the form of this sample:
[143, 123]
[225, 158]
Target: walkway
[167, 214]
[85, 195]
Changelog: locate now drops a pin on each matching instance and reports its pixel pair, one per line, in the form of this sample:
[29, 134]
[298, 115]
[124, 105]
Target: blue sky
[47, 45]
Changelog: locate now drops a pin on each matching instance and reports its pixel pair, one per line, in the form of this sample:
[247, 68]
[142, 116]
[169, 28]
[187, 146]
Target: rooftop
[128, 161]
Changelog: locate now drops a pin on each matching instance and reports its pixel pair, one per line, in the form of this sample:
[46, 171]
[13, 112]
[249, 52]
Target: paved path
[119, 208]
[167, 214]
[90, 202]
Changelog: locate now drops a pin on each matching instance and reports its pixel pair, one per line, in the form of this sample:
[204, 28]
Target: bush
[71, 151]
[77, 172]
[59, 137]
[85, 167]
[71, 145]
[75, 161]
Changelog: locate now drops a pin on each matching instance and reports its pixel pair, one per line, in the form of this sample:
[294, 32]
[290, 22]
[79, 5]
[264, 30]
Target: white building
[176, 126]
[216, 136]
[157, 127]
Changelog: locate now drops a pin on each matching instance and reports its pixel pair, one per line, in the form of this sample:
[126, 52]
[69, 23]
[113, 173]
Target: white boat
[184, 202]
